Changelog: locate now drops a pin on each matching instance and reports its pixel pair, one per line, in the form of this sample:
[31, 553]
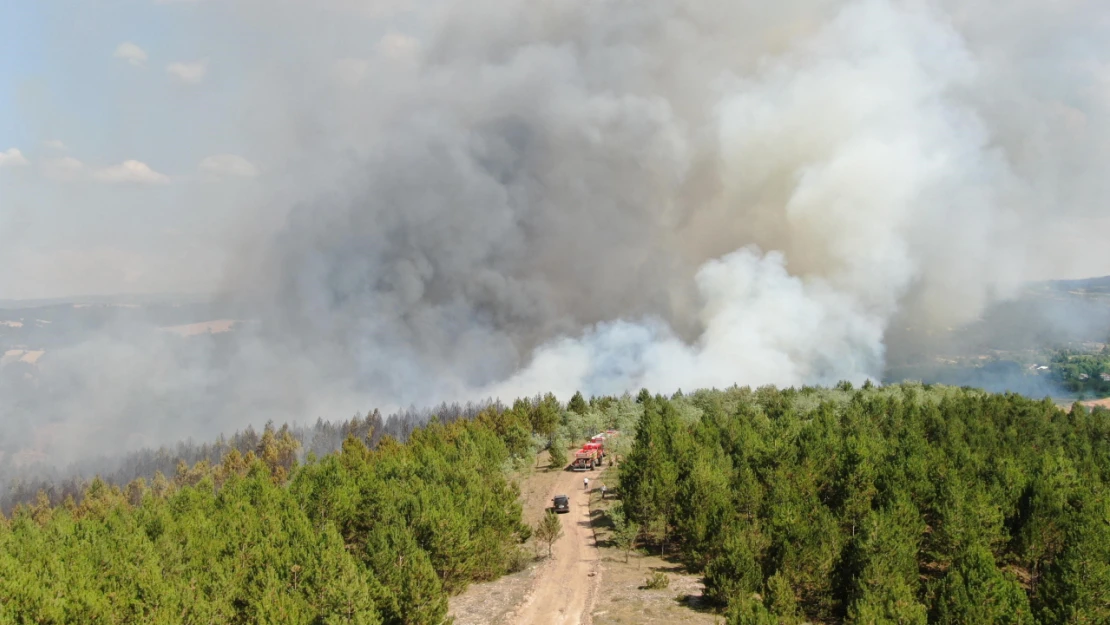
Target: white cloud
[13, 158]
[228, 165]
[69, 169]
[188, 73]
[131, 53]
[131, 172]
[55, 144]
[65, 168]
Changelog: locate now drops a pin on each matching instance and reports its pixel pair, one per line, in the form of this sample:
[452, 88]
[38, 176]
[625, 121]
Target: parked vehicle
[589, 457]
[584, 460]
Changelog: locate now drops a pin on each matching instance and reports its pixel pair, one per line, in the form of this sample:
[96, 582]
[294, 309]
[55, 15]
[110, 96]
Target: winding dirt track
[566, 587]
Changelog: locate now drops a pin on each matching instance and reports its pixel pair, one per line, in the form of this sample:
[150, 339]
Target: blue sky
[59, 79]
[21, 24]
[137, 174]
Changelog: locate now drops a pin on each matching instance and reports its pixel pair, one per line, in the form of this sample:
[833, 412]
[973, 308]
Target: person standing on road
[586, 483]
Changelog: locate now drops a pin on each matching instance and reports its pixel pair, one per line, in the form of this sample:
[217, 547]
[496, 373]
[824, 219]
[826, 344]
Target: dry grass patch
[624, 597]
[1104, 403]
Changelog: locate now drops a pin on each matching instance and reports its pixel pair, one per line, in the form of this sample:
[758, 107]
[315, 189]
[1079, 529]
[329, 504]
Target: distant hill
[996, 351]
[1095, 288]
[54, 323]
[135, 299]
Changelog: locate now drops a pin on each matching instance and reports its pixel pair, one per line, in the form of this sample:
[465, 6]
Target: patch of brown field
[216, 326]
[621, 598]
[1090, 403]
[21, 355]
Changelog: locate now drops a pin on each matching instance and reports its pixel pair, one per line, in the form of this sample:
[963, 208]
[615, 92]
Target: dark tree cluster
[1083, 372]
[905, 504]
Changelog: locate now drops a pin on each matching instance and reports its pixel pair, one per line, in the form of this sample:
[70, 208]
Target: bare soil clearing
[623, 600]
[566, 586]
[493, 603]
[556, 591]
[587, 582]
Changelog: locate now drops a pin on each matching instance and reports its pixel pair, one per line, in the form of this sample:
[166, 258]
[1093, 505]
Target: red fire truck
[589, 456]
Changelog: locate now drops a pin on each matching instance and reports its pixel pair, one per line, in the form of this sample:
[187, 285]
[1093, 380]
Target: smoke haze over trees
[491, 199]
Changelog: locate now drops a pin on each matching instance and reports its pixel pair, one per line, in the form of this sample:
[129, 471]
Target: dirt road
[565, 589]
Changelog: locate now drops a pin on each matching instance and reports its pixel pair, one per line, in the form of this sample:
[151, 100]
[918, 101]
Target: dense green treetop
[901, 504]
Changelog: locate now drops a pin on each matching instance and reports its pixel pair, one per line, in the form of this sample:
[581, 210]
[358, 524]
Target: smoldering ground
[495, 198]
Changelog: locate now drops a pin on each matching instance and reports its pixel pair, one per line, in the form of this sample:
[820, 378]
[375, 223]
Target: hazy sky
[141, 139]
[123, 161]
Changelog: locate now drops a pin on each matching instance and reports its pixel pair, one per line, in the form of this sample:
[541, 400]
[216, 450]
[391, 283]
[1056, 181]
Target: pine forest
[897, 504]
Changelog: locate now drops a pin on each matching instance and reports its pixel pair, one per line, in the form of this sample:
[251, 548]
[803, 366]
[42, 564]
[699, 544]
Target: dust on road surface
[566, 587]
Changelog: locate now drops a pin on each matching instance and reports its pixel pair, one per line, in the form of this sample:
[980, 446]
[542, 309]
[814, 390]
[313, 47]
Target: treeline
[23, 485]
[905, 504]
[542, 421]
[363, 535]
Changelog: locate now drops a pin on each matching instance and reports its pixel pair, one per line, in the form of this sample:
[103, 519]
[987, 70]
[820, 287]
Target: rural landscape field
[572, 312]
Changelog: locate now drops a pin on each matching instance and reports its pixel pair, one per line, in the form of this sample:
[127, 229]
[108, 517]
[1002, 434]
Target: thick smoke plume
[505, 197]
[608, 195]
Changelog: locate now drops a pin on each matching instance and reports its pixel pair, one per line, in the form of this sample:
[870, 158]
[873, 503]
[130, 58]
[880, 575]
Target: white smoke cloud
[762, 326]
[847, 150]
[851, 155]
